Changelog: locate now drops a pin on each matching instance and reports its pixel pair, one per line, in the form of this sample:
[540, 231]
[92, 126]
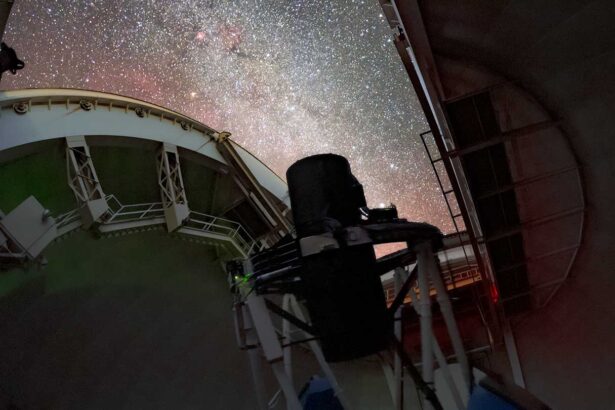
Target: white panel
[267, 178]
[27, 227]
[44, 123]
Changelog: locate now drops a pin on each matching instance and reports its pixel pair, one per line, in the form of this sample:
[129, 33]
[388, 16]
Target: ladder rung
[422, 134]
[457, 216]
[448, 192]
[433, 161]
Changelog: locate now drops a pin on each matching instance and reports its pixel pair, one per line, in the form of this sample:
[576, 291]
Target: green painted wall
[41, 174]
[128, 173]
[227, 192]
[199, 182]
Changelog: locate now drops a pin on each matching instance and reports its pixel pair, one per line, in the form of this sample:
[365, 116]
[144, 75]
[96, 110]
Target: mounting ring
[21, 107]
[86, 105]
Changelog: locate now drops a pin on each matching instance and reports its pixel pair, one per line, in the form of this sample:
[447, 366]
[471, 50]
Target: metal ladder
[454, 218]
[446, 194]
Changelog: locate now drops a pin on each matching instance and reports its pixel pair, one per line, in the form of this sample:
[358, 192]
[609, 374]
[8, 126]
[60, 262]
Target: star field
[287, 78]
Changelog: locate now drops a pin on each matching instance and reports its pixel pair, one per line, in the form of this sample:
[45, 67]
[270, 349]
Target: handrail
[67, 218]
[197, 221]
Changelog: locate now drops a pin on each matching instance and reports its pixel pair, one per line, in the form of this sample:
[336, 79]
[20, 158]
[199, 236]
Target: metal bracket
[171, 184]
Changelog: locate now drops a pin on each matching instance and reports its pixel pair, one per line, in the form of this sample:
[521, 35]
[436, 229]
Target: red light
[493, 292]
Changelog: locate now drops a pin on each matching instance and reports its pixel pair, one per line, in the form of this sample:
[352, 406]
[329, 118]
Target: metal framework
[252, 189]
[172, 189]
[257, 334]
[25, 112]
[488, 315]
[137, 217]
[413, 45]
[83, 181]
[11, 251]
[114, 115]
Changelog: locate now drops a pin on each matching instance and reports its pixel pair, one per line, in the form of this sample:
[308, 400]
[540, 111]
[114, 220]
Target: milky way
[287, 78]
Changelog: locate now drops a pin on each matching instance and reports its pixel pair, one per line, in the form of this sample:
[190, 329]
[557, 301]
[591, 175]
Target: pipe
[398, 397]
[320, 357]
[5, 12]
[424, 255]
[257, 378]
[288, 364]
[449, 318]
[441, 359]
[292, 400]
[389, 377]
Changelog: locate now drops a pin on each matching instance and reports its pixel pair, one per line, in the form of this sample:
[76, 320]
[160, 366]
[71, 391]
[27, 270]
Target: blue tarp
[319, 395]
[483, 399]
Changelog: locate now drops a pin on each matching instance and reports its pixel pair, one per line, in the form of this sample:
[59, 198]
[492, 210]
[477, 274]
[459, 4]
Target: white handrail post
[441, 359]
[424, 255]
[398, 399]
[286, 339]
[449, 318]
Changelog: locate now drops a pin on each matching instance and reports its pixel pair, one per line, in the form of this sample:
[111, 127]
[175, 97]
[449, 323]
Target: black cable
[291, 318]
[427, 391]
[401, 295]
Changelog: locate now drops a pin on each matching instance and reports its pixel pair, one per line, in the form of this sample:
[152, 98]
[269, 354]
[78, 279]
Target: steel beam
[171, 184]
[83, 181]
[504, 137]
[5, 12]
[252, 189]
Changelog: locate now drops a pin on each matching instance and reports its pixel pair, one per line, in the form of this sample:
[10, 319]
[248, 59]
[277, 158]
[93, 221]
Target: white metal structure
[36, 115]
[29, 116]
[26, 231]
[257, 333]
[172, 188]
[83, 181]
[136, 217]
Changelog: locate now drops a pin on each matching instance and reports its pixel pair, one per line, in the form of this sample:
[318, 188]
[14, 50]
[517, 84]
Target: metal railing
[453, 279]
[207, 223]
[135, 214]
[66, 220]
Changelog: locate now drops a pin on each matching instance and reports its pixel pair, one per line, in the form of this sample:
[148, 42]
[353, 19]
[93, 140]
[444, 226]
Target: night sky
[287, 78]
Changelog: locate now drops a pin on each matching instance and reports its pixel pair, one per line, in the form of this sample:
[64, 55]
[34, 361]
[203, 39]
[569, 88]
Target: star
[288, 79]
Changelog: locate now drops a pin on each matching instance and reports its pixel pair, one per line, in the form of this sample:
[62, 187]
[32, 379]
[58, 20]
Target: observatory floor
[137, 321]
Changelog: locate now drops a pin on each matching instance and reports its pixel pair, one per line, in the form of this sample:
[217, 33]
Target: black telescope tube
[342, 288]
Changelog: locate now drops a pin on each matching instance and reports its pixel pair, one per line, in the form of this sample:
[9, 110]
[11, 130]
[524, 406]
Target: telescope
[330, 263]
[9, 60]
